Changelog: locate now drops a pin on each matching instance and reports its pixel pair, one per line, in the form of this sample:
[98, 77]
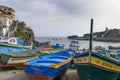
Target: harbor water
[83, 43]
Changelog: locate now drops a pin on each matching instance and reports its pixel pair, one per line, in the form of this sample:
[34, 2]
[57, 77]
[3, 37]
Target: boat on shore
[49, 50]
[14, 42]
[17, 58]
[12, 56]
[48, 67]
[92, 65]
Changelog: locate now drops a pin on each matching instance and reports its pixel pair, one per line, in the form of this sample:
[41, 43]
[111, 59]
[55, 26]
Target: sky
[66, 17]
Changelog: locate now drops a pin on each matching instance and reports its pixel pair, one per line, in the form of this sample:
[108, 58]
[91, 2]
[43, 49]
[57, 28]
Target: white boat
[74, 45]
[13, 42]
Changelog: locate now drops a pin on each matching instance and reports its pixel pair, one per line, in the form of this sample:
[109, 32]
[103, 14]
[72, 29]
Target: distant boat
[74, 45]
[114, 48]
[48, 67]
[93, 65]
[56, 39]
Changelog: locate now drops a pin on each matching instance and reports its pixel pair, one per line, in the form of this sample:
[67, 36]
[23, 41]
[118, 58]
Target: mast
[91, 36]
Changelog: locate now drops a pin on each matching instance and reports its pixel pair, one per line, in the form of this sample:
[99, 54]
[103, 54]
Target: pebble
[17, 74]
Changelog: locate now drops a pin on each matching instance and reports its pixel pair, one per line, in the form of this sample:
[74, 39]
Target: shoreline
[19, 74]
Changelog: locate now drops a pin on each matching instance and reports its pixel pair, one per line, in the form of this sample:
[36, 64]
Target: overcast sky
[66, 17]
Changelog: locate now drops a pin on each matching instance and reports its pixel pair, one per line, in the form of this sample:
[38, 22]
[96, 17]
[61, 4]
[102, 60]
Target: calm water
[83, 43]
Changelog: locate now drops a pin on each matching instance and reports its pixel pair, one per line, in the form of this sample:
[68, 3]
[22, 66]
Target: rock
[9, 27]
[23, 32]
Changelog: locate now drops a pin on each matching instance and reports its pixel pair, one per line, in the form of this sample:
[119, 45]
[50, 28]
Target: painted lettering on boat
[104, 64]
[81, 60]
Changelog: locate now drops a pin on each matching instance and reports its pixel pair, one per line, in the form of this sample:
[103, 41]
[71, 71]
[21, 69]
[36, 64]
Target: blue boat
[48, 67]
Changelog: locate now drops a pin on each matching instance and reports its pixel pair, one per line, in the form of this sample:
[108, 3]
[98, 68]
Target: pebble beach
[19, 74]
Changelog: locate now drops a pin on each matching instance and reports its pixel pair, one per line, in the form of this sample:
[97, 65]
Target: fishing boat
[15, 57]
[74, 45]
[74, 48]
[49, 50]
[14, 42]
[48, 67]
[58, 46]
[92, 65]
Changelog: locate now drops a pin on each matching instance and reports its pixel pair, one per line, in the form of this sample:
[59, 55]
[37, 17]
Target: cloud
[66, 17]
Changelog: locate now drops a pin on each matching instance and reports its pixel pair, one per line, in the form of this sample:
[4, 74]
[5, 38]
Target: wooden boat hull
[87, 72]
[48, 67]
[38, 77]
[12, 60]
[17, 61]
[52, 51]
[11, 65]
[94, 66]
[14, 46]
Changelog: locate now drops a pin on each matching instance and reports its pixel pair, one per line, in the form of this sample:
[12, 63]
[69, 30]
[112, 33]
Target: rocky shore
[19, 74]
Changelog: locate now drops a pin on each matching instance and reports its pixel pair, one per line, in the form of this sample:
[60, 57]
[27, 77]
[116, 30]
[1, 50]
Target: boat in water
[48, 67]
[114, 48]
[96, 65]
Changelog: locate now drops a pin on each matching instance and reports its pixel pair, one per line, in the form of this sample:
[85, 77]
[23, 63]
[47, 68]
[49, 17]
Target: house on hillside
[7, 16]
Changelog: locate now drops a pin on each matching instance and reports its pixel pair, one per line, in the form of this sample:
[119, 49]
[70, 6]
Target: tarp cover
[7, 49]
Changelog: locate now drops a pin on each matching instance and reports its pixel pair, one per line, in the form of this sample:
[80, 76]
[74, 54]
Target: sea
[83, 43]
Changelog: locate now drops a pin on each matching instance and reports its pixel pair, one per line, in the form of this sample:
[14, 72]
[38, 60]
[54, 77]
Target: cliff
[9, 27]
[23, 32]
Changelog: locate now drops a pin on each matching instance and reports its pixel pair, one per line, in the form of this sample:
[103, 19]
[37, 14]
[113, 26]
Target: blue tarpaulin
[7, 49]
[20, 42]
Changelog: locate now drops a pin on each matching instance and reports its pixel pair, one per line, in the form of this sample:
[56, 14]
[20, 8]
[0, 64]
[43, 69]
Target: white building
[7, 16]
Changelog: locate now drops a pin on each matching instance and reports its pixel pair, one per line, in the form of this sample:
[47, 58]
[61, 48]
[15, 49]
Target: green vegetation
[24, 33]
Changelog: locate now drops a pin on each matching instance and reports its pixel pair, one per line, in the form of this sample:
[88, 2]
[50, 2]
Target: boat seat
[59, 57]
[51, 61]
[48, 62]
